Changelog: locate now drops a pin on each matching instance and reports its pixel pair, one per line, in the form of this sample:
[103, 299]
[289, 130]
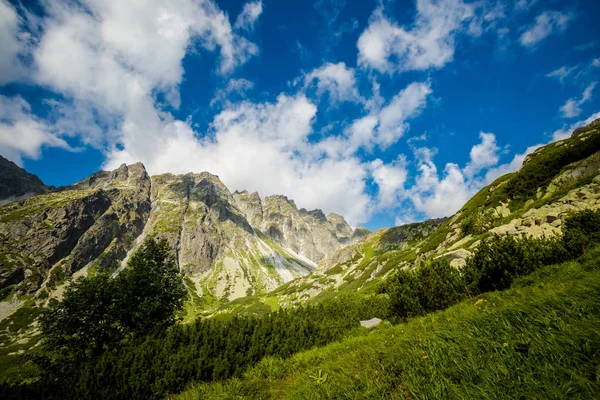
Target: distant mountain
[228, 245]
[16, 183]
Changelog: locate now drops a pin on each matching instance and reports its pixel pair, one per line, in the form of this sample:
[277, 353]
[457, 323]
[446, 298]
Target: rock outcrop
[311, 234]
[16, 183]
[47, 238]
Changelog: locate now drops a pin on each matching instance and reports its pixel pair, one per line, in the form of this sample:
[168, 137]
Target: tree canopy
[99, 312]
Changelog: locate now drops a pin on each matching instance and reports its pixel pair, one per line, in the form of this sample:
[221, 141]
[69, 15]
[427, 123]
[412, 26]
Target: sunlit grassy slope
[538, 340]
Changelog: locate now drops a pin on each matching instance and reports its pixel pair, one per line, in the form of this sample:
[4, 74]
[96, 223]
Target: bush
[433, 286]
[495, 264]
[498, 261]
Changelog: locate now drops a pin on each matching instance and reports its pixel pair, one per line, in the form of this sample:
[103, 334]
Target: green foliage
[433, 286]
[498, 261]
[209, 350]
[495, 264]
[580, 231]
[476, 223]
[538, 341]
[150, 289]
[84, 321]
[99, 313]
[545, 165]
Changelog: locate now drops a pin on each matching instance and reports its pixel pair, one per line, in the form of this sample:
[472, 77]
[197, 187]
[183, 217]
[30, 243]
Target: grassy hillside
[540, 339]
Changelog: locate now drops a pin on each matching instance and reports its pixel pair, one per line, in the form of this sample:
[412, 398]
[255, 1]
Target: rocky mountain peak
[132, 176]
[15, 182]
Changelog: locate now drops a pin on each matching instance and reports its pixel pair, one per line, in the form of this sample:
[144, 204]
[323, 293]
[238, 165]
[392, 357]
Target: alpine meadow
[324, 199]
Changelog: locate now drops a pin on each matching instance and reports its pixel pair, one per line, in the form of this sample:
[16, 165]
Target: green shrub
[544, 166]
[433, 286]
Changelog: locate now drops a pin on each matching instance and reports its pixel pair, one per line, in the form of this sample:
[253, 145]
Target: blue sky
[386, 112]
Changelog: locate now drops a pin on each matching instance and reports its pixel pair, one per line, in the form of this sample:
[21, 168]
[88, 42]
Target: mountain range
[241, 253]
[229, 245]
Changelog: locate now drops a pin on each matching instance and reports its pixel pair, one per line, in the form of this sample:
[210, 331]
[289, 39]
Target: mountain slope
[94, 224]
[541, 334]
[555, 180]
[45, 239]
[17, 183]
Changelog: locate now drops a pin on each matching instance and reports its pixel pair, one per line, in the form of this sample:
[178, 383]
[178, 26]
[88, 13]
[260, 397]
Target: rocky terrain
[16, 183]
[228, 245]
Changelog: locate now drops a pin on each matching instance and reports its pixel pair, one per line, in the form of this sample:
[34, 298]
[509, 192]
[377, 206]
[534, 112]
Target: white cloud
[235, 87]
[390, 180]
[110, 59]
[439, 196]
[13, 44]
[429, 43]
[545, 24]
[524, 5]
[567, 130]
[383, 126]
[249, 15]
[596, 62]
[406, 104]
[483, 155]
[562, 73]
[21, 134]
[336, 79]
[572, 108]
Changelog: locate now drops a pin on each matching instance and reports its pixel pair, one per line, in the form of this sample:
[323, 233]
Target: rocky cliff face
[16, 183]
[46, 238]
[308, 233]
[228, 245]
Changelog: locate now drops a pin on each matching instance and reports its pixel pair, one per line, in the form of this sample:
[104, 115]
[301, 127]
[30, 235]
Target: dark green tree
[84, 321]
[101, 313]
[150, 290]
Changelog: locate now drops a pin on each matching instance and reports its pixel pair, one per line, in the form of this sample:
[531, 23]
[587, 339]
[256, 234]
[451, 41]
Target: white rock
[370, 323]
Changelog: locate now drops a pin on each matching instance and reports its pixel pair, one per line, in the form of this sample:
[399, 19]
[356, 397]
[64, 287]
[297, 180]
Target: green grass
[538, 340]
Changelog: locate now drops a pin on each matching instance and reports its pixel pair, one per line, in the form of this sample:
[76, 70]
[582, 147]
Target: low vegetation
[120, 342]
[537, 340]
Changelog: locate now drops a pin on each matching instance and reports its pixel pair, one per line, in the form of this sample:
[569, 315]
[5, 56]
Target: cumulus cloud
[441, 194]
[390, 180]
[21, 134]
[596, 62]
[336, 79]
[545, 24]
[572, 108]
[109, 59]
[482, 155]
[406, 104]
[384, 125]
[249, 15]
[13, 44]
[428, 43]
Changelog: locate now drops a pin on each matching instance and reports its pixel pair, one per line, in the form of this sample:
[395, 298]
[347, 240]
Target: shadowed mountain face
[229, 245]
[16, 183]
